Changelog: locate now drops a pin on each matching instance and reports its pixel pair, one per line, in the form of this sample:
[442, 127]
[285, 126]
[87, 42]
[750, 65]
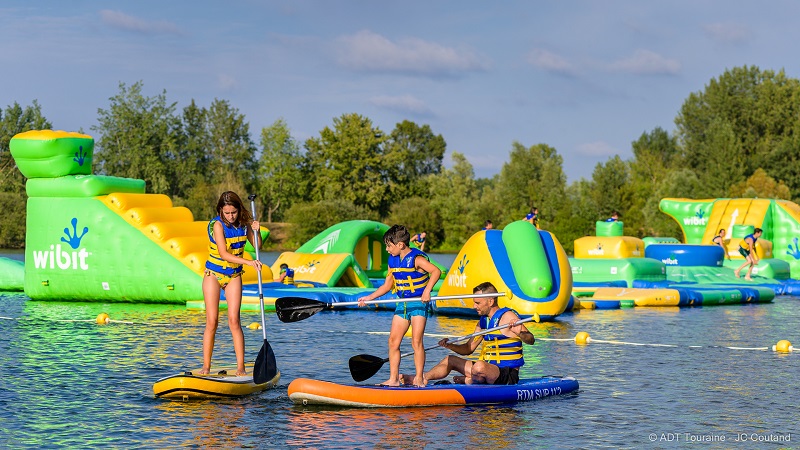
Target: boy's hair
[284, 266]
[614, 213]
[488, 222]
[757, 230]
[397, 234]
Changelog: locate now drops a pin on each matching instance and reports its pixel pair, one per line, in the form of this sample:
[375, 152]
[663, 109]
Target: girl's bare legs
[233, 295]
[211, 300]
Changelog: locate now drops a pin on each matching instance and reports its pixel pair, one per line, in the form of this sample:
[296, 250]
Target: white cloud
[647, 62]
[122, 21]
[226, 82]
[727, 33]
[548, 61]
[404, 104]
[368, 51]
[598, 148]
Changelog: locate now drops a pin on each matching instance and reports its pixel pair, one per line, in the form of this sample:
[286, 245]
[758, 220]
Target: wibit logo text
[459, 279]
[68, 258]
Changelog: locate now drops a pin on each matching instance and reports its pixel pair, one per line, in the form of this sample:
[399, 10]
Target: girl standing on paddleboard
[227, 235]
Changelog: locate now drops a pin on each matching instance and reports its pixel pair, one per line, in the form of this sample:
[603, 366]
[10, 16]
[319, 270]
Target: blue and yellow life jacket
[235, 240]
[743, 242]
[289, 278]
[408, 282]
[499, 349]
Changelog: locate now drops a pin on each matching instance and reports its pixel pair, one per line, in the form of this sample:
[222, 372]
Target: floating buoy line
[582, 338]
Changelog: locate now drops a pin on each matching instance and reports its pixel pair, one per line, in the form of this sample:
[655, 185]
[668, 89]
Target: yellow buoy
[783, 346]
[582, 338]
[408, 333]
[254, 326]
[102, 319]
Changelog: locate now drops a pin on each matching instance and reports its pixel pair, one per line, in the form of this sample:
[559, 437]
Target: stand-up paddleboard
[220, 384]
[313, 392]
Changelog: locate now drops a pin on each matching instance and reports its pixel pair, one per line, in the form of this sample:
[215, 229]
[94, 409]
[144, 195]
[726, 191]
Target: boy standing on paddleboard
[411, 274]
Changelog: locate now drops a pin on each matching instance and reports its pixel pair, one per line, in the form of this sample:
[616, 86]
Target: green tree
[760, 185]
[655, 155]
[348, 162]
[610, 191]
[533, 176]
[139, 138]
[14, 120]
[280, 177]
[232, 151]
[453, 193]
[418, 215]
[413, 152]
[310, 219]
[753, 115]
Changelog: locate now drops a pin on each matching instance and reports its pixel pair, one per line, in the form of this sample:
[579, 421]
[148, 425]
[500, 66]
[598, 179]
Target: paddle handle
[256, 244]
[416, 299]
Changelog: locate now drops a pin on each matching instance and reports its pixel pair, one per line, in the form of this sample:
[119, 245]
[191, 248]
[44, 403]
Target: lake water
[66, 382]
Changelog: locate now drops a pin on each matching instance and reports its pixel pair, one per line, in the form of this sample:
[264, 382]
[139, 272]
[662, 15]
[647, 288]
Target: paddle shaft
[415, 299]
[478, 333]
[256, 244]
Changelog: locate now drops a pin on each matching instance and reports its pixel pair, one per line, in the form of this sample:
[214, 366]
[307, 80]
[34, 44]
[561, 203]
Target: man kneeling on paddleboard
[501, 356]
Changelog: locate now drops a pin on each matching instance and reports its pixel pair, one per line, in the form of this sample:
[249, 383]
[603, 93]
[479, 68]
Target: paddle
[265, 367]
[295, 309]
[363, 367]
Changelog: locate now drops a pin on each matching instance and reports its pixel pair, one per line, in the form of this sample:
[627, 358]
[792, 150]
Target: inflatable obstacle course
[102, 238]
[528, 264]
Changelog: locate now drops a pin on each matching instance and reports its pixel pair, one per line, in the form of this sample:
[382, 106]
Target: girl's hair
[229, 198]
[397, 234]
[720, 230]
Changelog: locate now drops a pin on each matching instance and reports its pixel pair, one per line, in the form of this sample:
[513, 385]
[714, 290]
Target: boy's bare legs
[398, 330]
[417, 333]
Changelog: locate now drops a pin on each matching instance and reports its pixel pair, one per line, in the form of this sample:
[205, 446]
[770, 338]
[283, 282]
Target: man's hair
[397, 234]
[485, 287]
[757, 230]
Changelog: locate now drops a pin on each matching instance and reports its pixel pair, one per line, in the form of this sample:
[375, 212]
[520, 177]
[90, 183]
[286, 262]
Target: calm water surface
[66, 382]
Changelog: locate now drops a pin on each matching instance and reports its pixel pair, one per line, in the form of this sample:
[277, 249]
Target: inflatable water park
[102, 238]
[96, 238]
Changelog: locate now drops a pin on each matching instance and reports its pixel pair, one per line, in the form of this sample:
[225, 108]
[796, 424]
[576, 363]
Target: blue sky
[585, 77]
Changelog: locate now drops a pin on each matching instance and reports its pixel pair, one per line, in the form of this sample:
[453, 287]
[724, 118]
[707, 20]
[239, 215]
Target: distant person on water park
[719, 239]
[501, 356]
[533, 217]
[411, 274]
[227, 235]
[286, 275]
[614, 217]
[747, 248]
[488, 225]
[419, 240]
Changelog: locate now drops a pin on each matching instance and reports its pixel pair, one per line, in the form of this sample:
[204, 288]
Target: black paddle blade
[265, 367]
[295, 309]
[364, 367]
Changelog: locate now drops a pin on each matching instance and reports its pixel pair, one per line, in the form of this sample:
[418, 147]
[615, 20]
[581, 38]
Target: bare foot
[459, 379]
[390, 382]
[407, 379]
[748, 278]
[420, 382]
[241, 373]
[203, 371]
[736, 272]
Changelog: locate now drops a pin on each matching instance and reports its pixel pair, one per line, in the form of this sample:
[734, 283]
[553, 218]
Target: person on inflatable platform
[227, 234]
[287, 275]
[411, 274]
[501, 356]
[719, 239]
[747, 248]
[533, 217]
[419, 240]
[488, 225]
[614, 217]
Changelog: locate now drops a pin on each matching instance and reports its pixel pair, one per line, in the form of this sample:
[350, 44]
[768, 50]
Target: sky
[584, 77]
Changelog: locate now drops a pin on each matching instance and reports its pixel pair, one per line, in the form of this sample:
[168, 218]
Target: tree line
[737, 137]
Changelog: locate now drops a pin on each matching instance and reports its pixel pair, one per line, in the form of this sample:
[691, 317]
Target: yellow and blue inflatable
[529, 265]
